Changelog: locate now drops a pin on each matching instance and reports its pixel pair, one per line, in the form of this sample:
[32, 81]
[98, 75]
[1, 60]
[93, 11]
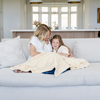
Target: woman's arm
[33, 51]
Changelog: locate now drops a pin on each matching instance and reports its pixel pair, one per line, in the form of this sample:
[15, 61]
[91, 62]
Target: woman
[40, 42]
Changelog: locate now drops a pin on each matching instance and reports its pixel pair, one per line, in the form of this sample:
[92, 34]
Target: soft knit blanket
[47, 61]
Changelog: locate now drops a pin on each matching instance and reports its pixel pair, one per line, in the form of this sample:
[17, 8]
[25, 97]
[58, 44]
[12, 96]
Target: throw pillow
[11, 53]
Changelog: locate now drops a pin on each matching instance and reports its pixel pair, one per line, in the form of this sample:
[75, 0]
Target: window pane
[44, 9]
[35, 9]
[45, 19]
[73, 9]
[64, 21]
[54, 21]
[35, 18]
[54, 9]
[64, 9]
[73, 21]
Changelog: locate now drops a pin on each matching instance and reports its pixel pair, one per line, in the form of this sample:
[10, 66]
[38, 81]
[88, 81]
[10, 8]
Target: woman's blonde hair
[41, 32]
[60, 41]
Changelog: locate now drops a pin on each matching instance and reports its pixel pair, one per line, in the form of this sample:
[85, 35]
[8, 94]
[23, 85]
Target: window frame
[59, 5]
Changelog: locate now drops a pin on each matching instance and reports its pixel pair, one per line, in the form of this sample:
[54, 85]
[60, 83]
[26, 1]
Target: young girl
[59, 47]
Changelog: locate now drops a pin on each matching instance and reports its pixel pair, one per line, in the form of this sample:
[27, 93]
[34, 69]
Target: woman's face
[55, 44]
[47, 35]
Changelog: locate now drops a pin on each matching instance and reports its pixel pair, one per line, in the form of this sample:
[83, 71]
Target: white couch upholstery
[81, 84]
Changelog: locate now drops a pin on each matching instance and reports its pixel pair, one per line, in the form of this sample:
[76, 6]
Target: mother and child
[42, 42]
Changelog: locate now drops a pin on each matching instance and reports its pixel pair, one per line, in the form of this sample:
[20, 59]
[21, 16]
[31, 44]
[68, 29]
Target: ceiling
[55, 0]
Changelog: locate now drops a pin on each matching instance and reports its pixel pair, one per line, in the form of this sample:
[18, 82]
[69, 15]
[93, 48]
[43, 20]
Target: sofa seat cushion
[86, 76]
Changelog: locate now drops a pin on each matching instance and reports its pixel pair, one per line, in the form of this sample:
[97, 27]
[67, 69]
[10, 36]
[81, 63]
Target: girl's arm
[63, 54]
[65, 51]
[66, 55]
[70, 54]
[33, 51]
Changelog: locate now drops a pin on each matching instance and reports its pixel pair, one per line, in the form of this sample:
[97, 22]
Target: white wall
[23, 14]
[80, 16]
[90, 14]
[1, 20]
[13, 16]
[86, 11]
[28, 15]
[94, 4]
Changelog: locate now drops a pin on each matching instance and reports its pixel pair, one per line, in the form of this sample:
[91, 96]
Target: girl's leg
[52, 71]
[49, 72]
[66, 70]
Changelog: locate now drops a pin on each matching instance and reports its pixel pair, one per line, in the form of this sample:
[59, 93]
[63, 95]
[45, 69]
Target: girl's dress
[62, 49]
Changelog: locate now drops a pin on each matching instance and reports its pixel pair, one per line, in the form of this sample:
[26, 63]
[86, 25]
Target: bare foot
[17, 71]
[26, 72]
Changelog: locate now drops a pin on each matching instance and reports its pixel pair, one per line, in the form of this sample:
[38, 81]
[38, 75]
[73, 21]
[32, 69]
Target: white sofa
[81, 84]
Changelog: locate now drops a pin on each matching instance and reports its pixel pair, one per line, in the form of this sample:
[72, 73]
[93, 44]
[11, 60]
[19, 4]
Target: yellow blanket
[47, 61]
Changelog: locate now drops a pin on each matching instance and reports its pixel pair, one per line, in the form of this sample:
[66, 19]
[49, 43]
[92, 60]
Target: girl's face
[55, 44]
[47, 35]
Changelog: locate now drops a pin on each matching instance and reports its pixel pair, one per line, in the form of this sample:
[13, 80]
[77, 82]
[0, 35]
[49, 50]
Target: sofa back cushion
[87, 49]
[71, 43]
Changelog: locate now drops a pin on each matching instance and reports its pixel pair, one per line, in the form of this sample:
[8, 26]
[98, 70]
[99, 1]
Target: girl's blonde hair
[60, 41]
[41, 32]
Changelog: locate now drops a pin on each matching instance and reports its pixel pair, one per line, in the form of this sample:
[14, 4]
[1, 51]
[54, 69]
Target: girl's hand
[70, 55]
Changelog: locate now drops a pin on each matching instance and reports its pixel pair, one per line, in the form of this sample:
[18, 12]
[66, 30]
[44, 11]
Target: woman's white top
[39, 45]
[62, 49]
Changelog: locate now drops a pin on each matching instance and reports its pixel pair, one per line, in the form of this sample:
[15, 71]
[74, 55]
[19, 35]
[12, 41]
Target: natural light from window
[58, 17]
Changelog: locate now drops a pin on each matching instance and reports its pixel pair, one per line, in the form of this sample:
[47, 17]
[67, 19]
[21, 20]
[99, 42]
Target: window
[73, 17]
[45, 19]
[64, 21]
[59, 17]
